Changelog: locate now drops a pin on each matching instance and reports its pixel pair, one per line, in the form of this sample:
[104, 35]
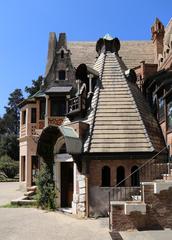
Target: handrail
[144, 164]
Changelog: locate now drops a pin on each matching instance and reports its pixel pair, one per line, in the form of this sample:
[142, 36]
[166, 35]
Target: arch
[106, 176]
[120, 176]
[135, 177]
[52, 134]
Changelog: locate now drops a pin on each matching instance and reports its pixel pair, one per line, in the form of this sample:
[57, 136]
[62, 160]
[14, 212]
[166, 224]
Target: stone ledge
[133, 206]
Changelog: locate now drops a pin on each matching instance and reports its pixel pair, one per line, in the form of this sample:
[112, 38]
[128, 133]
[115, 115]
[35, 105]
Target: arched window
[135, 178]
[120, 176]
[62, 75]
[105, 176]
[62, 54]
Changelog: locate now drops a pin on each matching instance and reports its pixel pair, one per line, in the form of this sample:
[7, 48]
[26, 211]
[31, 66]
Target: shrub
[46, 193]
[9, 166]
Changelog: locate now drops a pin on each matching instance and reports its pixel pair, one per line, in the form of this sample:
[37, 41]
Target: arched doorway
[135, 178]
[120, 176]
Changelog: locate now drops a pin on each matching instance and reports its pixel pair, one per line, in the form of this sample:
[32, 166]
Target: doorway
[135, 178]
[66, 184]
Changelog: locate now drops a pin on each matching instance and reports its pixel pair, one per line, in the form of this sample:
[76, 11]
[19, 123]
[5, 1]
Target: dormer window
[62, 75]
[62, 54]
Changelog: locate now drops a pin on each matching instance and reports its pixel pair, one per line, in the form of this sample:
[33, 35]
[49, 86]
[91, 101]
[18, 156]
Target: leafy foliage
[8, 166]
[46, 193]
[36, 84]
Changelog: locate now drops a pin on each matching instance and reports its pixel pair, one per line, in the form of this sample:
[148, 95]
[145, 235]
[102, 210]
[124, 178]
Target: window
[33, 115]
[62, 54]
[169, 115]
[105, 176]
[135, 178]
[62, 75]
[24, 117]
[120, 176]
[42, 109]
[58, 107]
[161, 108]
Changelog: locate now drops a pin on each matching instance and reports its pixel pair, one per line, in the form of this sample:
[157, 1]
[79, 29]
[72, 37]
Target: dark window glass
[169, 115]
[58, 107]
[120, 176]
[135, 178]
[161, 108]
[62, 54]
[33, 115]
[62, 75]
[24, 117]
[42, 109]
[105, 176]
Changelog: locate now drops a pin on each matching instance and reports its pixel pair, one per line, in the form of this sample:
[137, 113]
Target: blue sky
[25, 27]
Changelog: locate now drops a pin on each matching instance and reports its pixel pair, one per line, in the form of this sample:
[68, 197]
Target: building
[91, 115]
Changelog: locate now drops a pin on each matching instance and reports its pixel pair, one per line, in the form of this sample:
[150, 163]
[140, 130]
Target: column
[90, 83]
[46, 110]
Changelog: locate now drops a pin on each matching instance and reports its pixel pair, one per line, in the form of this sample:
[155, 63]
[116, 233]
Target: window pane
[169, 115]
[24, 117]
[42, 109]
[62, 75]
[58, 107]
[33, 115]
[161, 108]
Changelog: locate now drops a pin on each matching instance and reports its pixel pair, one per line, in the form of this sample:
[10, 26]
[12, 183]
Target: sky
[25, 27]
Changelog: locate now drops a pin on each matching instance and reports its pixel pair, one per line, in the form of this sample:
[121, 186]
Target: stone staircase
[152, 212]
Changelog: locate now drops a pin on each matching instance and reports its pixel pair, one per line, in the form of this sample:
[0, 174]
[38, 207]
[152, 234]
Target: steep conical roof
[123, 121]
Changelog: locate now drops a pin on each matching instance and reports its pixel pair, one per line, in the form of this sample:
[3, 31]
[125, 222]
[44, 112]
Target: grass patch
[9, 205]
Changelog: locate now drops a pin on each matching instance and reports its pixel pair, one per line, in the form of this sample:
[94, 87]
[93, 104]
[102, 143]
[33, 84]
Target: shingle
[120, 123]
[132, 52]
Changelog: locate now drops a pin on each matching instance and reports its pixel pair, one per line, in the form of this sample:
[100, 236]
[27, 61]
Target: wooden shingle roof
[132, 52]
[122, 121]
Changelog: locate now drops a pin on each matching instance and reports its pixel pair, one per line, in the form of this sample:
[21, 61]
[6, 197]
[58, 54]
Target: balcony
[76, 105]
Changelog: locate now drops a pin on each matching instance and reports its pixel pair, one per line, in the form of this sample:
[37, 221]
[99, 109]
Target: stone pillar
[46, 110]
[90, 83]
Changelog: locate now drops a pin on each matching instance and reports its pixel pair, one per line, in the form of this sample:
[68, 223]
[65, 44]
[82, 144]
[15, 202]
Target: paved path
[147, 235]
[30, 223]
[9, 191]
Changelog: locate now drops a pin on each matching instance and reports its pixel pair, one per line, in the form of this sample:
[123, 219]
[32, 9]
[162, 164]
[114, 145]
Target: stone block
[82, 198]
[82, 184]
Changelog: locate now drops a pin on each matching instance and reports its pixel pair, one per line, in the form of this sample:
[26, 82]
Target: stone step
[118, 107]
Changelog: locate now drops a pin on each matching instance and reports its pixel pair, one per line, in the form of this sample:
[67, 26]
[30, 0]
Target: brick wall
[158, 213]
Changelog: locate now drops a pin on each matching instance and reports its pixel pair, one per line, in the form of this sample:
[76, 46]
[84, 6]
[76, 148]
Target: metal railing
[129, 189]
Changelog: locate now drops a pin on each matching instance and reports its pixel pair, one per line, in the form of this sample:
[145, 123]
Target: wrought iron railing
[154, 168]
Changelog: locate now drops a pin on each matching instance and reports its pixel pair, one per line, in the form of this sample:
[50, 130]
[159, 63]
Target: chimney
[157, 37]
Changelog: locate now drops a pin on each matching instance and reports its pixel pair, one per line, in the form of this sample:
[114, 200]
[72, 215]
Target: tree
[12, 116]
[36, 84]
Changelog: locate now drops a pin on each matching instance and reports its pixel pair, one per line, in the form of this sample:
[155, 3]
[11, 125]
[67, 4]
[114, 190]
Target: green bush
[9, 166]
[46, 193]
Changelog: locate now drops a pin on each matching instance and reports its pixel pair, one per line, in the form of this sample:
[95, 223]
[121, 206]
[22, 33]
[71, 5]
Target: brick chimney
[157, 30]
